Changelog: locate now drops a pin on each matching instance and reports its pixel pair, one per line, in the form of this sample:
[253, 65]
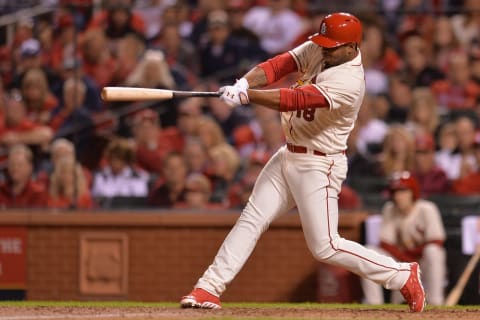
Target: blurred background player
[411, 230]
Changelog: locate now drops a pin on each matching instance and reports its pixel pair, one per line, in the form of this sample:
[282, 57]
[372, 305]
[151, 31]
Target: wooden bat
[457, 291]
[143, 94]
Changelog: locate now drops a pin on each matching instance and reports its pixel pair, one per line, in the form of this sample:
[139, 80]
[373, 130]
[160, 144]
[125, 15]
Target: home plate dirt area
[161, 313]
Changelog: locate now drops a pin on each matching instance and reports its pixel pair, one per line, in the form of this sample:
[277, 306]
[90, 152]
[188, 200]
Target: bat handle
[187, 94]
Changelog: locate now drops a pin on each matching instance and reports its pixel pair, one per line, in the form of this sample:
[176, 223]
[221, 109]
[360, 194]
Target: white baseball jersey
[343, 86]
[422, 225]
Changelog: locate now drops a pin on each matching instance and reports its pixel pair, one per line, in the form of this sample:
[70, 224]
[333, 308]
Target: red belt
[301, 149]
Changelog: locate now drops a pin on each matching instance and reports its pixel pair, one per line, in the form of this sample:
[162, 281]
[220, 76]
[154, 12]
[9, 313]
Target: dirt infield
[160, 313]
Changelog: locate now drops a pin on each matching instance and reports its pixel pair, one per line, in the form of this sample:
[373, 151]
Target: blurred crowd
[62, 147]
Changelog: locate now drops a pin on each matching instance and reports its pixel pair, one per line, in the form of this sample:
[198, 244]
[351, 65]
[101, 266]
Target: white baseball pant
[312, 183]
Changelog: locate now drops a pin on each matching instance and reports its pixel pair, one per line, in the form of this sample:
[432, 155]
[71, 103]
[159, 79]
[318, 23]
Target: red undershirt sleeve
[278, 67]
[301, 98]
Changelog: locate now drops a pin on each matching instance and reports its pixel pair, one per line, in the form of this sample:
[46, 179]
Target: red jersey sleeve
[302, 98]
[278, 67]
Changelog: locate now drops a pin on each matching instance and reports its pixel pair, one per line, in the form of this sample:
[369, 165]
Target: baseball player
[318, 114]
[411, 230]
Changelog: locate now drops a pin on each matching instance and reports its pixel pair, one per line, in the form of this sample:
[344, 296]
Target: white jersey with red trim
[343, 86]
[422, 225]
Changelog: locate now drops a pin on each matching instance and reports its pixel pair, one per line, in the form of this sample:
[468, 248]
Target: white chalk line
[89, 316]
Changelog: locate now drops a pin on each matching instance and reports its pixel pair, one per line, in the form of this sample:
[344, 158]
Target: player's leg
[315, 184]
[372, 291]
[270, 198]
[433, 264]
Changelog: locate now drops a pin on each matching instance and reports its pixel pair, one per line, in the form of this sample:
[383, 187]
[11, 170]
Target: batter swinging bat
[456, 293]
[143, 94]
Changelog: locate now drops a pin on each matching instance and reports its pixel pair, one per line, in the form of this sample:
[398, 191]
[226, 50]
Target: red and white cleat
[200, 299]
[413, 291]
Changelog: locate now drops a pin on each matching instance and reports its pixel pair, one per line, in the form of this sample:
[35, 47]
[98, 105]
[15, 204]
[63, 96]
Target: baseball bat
[144, 94]
[457, 291]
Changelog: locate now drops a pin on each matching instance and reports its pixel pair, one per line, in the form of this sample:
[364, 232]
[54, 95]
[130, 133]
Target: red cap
[337, 29]
[405, 181]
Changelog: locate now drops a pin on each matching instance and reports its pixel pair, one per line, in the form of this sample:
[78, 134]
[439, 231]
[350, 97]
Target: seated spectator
[465, 23]
[180, 54]
[117, 20]
[445, 42]
[152, 141]
[224, 172]
[411, 230]
[156, 14]
[447, 140]
[63, 42]
[189, 113]
[423, 115]
[170, 188]
[370, 131]
[419, 69]
[72, 68]
[6, 66]
[431, 178]
[458, 90]
[19, 190]
[398, 152]
[196, 156]
[248, 137]
[475, 63]
[129, 50]
[68, 188]
[220, 55]
[239, 192]
[237, 10]
[98, 62]
[17, 128]
[460, 161]
[60, 149]
[276, 24]
[72, 120]
[378, 57]
[37, 97]
[198, 190]
[399, 98]
[152, 71]
[29, 57]
[209, 132]
[469, 184]
[119, 177]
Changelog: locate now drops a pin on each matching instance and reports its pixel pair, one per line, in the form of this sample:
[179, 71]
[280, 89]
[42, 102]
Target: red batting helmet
[337, 29]
[404, 181]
